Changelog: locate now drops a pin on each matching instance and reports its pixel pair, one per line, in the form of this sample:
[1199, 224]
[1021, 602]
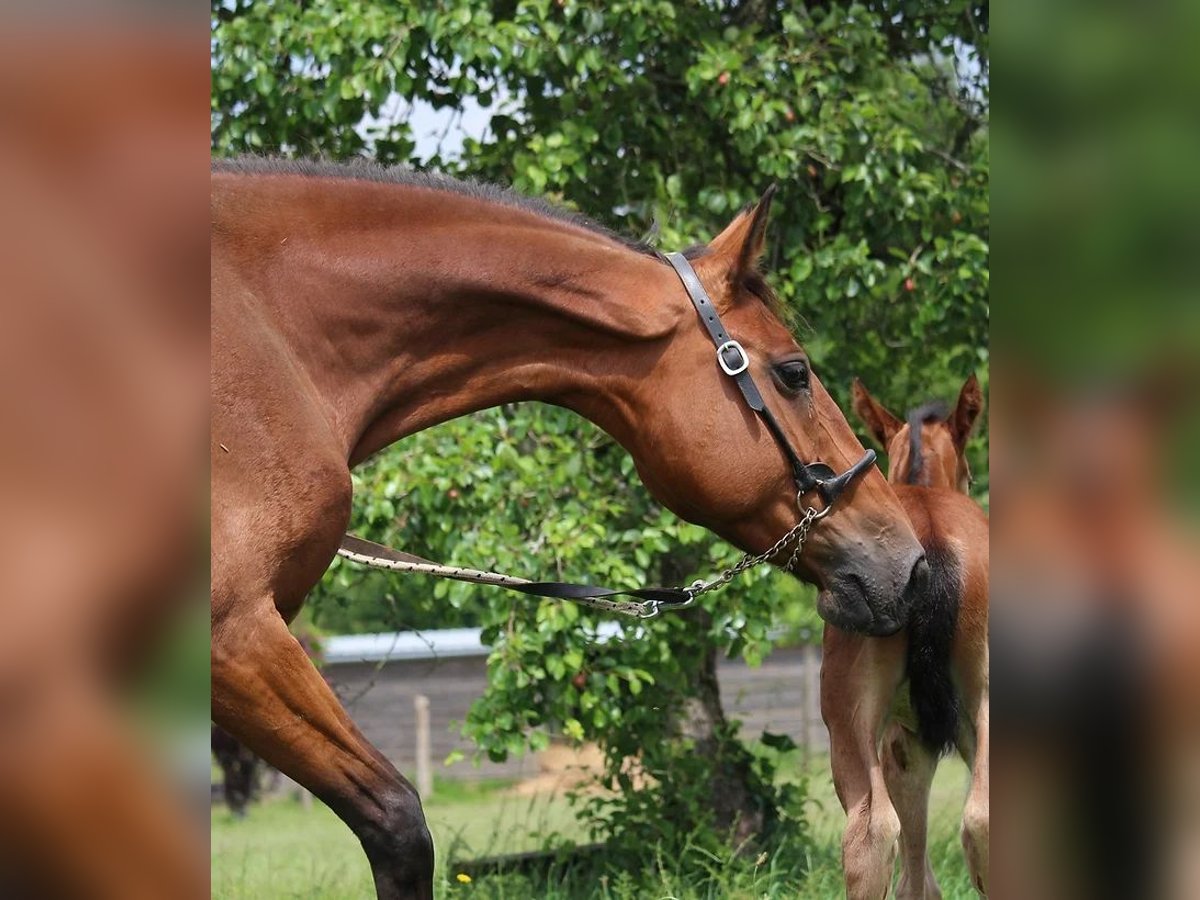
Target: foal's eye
[792, 375]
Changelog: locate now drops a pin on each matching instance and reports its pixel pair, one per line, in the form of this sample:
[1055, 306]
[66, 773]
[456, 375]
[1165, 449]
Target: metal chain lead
[799, 533]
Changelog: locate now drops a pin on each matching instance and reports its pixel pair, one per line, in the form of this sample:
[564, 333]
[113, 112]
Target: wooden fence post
[424, 766]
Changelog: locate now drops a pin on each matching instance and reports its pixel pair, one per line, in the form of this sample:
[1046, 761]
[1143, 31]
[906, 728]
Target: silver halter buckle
[738, 368]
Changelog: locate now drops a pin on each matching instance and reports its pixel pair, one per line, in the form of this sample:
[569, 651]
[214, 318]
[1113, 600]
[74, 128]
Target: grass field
[282, 850]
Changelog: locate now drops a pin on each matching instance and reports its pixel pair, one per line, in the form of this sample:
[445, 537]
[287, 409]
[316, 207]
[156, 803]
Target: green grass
[282, 850]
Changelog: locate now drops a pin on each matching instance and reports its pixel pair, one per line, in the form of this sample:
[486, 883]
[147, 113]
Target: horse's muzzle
[857, 602]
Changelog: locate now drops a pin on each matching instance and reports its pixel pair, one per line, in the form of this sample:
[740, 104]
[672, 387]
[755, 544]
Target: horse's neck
[437, 309]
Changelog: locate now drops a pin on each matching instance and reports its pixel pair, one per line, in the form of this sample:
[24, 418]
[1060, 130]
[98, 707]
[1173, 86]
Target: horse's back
[952, 521]
[941, 513]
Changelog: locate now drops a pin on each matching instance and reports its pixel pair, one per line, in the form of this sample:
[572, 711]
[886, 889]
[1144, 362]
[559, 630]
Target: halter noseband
[734, 362]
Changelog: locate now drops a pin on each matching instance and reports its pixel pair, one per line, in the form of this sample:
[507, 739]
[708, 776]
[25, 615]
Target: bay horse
[355, 305]
[893, 706]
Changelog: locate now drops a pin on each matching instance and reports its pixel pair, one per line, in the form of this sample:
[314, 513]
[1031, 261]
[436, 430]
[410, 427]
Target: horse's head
[705, 453]
[929, 448]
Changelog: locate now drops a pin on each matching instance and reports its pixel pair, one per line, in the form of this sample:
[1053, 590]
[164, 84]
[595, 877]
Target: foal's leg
[859, 679]
[908, 769]
[971, 664]
[266, 692]
[976, 831]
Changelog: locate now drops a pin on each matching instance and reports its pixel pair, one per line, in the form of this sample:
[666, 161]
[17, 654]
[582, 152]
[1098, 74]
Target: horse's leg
[267, 693]
[971, 670]
[976, 831]
[859, 679]
[277, 518]
[908, 769]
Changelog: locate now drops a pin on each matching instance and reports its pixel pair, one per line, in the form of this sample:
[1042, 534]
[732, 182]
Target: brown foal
[894, 705]
[352, 306]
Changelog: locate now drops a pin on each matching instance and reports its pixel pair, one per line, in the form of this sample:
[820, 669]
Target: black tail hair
[934, 411]
[931, 627]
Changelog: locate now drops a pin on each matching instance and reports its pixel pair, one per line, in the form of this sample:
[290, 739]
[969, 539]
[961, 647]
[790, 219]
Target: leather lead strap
[354, 547]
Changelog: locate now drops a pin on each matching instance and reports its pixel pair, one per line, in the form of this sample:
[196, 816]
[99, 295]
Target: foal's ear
[966, 411]
[740, 245]
[883, 425]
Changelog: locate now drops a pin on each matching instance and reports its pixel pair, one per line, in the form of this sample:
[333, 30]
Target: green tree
[645, 114]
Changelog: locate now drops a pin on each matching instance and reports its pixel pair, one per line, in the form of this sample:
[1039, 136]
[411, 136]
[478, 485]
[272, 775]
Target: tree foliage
[647, 115]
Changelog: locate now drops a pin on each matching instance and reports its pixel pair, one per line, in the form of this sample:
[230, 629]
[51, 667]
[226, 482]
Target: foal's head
[928, 449]
[702, 450]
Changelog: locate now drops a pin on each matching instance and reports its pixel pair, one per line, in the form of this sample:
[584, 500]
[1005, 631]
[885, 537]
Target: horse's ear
[883, 425]
[740, 245]
[966, 411]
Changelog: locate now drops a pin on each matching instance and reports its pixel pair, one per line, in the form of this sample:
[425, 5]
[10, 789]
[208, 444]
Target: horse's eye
[793, 375]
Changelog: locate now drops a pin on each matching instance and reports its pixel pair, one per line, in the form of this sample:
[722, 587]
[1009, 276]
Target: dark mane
[935, 411]
[368, 170]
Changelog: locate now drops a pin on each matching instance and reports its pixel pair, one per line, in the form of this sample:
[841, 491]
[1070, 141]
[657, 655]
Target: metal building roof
[397, 646]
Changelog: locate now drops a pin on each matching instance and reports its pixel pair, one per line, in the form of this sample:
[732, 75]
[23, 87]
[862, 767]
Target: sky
[431, 127]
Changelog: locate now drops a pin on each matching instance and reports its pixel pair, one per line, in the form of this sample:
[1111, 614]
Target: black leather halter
[735, 363]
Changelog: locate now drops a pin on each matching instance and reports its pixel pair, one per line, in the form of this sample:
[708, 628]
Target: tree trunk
[737, 807]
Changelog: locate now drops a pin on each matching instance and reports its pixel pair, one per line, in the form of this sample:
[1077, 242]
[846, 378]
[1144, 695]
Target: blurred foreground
[1096, 644]
[1096, 333]
[103, 364]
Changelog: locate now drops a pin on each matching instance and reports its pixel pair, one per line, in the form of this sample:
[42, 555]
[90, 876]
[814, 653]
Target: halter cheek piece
[735, 363]
[809, 477]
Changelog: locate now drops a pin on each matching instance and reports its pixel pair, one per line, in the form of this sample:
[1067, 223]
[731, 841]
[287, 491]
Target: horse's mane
[360, 169]
[934, 411]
